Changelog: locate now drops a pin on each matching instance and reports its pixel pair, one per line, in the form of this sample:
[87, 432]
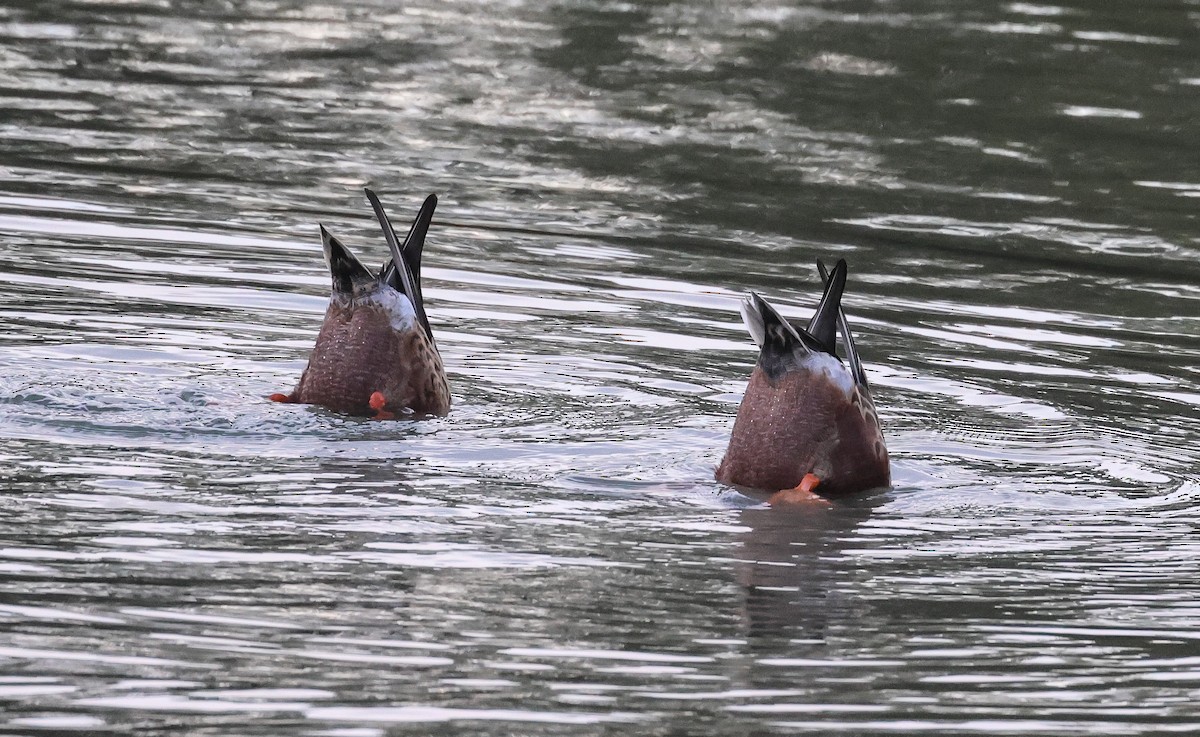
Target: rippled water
[1014, 187]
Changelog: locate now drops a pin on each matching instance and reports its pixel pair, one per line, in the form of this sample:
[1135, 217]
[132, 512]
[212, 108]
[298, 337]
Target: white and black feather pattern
[766, 325]
[754, 322]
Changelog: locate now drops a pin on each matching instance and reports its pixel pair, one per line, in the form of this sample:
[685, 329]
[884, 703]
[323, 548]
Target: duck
[807, 428]
[375, 354]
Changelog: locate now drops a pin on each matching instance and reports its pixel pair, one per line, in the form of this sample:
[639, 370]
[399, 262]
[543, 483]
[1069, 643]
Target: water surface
[1014, 187]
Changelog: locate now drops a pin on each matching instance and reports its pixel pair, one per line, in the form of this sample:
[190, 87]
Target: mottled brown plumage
[358, 353]
[803, 411]
[375, 339]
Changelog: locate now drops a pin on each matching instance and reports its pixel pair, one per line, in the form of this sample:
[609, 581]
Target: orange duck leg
[801, 494]
[378, 402]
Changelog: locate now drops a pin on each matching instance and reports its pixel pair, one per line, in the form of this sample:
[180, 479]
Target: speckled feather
[805, 422]
[359, 352]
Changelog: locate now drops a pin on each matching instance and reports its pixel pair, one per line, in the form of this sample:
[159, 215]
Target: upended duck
[375, 355]
[807, 424]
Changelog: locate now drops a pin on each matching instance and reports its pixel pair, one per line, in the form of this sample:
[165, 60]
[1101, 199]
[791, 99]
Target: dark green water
[1013, 185]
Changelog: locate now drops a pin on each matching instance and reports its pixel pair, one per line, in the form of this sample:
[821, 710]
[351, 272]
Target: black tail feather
[856, 367]
[346, 270]
[404, 271]
[414, 242]
[823, 325]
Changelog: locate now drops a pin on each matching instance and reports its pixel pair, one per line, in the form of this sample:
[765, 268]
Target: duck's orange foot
[801, 494]
[377, 403]
[277, 397]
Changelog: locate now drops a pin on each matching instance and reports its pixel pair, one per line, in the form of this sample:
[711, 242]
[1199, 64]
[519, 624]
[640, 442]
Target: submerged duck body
[806, 421]
[375, 354]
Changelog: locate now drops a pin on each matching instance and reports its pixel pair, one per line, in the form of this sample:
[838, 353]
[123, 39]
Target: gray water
[1013, 185]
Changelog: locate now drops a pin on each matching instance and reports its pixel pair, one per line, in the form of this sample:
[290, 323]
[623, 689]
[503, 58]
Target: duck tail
[780, 339]
[771, 331]
[780, 342]
[852, 357]
[403, 273]
[823, 325]
[346, 269]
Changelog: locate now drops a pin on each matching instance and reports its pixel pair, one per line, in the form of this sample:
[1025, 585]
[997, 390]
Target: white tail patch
[832, 367]
[399, 308]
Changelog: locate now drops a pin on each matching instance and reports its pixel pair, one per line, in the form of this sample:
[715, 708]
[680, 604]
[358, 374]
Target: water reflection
[792, 571]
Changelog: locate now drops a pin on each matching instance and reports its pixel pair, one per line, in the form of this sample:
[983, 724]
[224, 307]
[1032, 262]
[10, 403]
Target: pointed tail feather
[823, 325]
[404, 272]
[414, 242]
[856, 367]
[772, 331]
[753, 319]
[346, 270]
[397, 272]
[755, 311]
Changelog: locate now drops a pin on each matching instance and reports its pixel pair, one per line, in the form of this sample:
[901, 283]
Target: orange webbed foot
[801, 494]
[377, 403]
[277, 397]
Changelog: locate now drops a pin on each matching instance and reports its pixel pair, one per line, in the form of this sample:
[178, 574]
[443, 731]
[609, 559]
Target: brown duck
[806, 422]
[375, 355]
